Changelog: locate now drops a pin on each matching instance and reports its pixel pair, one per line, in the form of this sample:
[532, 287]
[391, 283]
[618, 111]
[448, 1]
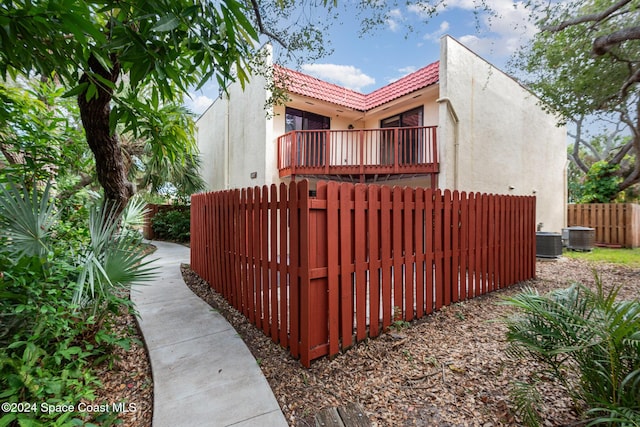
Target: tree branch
[263, 30]
[576, 147]
[623, 152]
[594, 17]
[602, 44]
[14, 158]
[634, 78]
[634, 176]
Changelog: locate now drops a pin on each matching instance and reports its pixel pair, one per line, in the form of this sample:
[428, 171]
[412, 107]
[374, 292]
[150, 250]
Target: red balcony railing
[363, 152]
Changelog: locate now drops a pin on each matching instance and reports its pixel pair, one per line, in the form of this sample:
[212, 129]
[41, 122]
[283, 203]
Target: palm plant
[584, 334]
[113, 260]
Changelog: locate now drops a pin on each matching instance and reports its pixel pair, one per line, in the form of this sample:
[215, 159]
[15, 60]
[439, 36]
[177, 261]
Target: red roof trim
[305, 85]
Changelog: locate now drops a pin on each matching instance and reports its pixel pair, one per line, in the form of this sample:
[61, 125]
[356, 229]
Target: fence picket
[409, 252]
[333, 272]
[473, 248]
[396, 255]
[479, 245]
[264, 259]
[283, 256]
[464, 247]
[446, 247]
[373, 215]
[386, 262]
[429, 250]
[455, 246]
[346, 265]
[439, 292]
[419, 225]
[274, 320]
[360, 243]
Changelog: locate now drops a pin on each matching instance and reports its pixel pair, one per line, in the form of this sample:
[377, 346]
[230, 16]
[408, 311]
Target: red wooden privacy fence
[318, 273]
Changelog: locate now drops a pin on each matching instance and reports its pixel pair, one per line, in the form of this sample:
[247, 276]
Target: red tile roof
[305, 85]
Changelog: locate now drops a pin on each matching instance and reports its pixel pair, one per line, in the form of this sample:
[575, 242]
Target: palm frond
[26, 217]
[133, 214]
[527, 400]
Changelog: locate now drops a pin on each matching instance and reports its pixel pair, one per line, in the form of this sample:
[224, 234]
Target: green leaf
[102, 59]
[239, 12]
[166, 23]
[154, 98]
[77, 90]
[7, 419]
[107, 83]
[80, 26]
[92, 91]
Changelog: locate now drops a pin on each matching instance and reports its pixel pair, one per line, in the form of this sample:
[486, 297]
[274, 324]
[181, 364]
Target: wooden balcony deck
[358, 155]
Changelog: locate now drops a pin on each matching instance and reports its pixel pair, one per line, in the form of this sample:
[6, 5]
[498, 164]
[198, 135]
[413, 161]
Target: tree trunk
[104, 144]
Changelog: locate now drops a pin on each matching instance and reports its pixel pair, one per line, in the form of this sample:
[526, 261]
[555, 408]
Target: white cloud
[483, 46]
[502, 31]
[344, 75]
[444, 27]
[401, 73]
[198, 103]
[407, 70]
[512, 20]
[394, 17]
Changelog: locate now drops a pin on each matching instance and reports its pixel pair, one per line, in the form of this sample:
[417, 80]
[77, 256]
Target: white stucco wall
[503, 142]
[212, 137]
[426, 99]
[232, 135]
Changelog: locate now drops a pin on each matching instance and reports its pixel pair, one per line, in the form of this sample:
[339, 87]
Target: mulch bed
[448, 369]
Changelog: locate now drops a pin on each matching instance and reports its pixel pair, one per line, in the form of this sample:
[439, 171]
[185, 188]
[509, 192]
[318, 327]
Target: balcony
[362, 155]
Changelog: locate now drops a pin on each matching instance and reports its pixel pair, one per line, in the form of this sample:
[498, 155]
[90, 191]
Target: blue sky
[365, 63]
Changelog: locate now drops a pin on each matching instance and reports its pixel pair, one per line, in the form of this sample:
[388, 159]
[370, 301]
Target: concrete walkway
[203, 373]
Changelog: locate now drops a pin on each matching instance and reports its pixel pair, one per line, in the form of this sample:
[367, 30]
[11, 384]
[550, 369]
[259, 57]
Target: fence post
[294, 275]
[303, 273]
[317, 297]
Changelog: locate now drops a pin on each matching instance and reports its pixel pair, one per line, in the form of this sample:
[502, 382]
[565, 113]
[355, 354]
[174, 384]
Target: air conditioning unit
[581, 238]
[548, 245]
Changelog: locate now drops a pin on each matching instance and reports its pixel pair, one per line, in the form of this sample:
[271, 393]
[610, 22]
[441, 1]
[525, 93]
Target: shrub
[584, 334]
[601, 183]
[174, 225]
[55, 305]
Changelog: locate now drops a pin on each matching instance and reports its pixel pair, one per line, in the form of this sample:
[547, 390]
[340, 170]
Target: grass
[626, 257]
